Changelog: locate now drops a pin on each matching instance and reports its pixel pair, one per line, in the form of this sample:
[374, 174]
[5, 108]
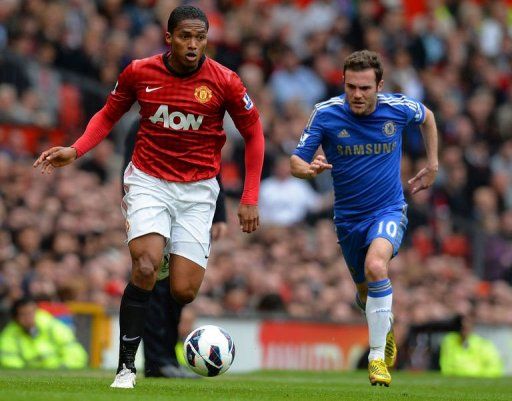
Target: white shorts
[182, 212]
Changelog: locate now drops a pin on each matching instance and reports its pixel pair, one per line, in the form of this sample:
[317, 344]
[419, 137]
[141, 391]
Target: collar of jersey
[165, 58]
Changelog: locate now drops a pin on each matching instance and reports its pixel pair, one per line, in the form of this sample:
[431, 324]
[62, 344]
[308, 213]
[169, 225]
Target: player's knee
[376, 269]
[184, 295]
[144, 270]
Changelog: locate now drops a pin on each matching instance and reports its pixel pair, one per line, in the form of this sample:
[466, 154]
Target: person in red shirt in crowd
[170, 185]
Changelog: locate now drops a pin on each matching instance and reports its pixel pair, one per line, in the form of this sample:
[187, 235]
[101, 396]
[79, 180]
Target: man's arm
[254, 152]
[427, 175]
[302, 169]
[98, 128]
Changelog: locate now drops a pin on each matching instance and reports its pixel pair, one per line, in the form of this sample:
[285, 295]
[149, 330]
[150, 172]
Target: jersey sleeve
[238, 103]
[414, 110]
[311, 138]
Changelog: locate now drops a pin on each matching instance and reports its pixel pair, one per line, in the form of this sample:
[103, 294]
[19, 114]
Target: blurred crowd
[61, 236]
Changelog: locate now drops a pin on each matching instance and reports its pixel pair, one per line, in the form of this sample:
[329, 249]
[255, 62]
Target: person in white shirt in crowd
[286, 200]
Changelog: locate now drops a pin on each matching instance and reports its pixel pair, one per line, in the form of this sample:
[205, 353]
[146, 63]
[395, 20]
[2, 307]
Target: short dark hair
[362, 60]
[20, 303]
[182, 13]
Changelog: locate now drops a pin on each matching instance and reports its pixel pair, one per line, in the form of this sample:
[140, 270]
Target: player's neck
[178, 70]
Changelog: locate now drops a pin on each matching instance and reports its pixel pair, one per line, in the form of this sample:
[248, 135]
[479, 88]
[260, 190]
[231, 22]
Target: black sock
[134, 305]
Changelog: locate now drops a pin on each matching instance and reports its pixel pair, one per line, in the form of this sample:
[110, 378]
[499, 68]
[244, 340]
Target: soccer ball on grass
[209, 350]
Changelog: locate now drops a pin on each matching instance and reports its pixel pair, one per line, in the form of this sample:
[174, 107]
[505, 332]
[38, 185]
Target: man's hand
[248, 217]
[319, 165]
[423, 180]
[219, 230]
[55, 157]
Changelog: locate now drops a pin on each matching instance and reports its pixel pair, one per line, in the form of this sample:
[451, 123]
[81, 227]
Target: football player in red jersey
[170, 185]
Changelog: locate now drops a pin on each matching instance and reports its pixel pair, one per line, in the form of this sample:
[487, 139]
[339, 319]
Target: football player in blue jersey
[361, 135]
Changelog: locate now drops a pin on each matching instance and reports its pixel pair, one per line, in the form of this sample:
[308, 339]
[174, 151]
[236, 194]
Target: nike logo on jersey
[148, 89]
[130, 338]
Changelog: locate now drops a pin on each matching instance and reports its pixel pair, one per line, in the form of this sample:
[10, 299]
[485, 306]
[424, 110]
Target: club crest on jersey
[203, 94]
[343, 134]
[389, 128]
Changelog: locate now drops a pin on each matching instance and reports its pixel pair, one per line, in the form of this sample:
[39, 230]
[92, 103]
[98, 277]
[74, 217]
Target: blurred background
[62, 236]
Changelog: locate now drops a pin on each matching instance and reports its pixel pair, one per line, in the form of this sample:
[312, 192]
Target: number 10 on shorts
[390, 227]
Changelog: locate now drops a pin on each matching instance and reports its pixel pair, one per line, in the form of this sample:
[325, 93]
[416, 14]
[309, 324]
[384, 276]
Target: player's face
[361, 91]
[187, 42]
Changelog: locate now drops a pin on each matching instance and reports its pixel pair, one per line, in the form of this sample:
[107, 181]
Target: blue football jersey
[365, 151]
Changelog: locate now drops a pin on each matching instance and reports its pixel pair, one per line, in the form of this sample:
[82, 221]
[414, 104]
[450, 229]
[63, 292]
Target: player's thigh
[191, 237]
[391, 226]
[191, 226]
[384, 239]
[146, 252]
[145, 205]
[377, 259]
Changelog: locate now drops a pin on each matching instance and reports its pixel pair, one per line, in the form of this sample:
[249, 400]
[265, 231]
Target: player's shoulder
[218, 69]
[142, 63]
[334, 102]
[397, 100]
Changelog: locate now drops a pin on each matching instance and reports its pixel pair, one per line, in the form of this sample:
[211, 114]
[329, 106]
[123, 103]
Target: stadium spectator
[296, 83]
[34, 339]
[467, 354]
[286, 200]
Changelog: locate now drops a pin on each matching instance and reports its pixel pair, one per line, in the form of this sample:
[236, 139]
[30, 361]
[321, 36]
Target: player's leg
[148, 224]
[190, 240]
[146, 252]
[385, 237]
[352, 238]
[380, 295]
[161, 331]
[186, 278]
[158, 331]
[378, 308]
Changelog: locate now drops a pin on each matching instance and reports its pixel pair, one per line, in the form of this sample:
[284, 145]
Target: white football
[209, 350]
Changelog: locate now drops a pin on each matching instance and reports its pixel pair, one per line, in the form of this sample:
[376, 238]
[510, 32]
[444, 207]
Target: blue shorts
[355, 237]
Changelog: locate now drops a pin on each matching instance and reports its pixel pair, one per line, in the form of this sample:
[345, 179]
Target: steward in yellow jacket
[465, 353]
[34, 339]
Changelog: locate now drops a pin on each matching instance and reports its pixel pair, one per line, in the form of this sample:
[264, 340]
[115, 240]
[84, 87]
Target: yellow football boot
[390, 351]
[378, 373]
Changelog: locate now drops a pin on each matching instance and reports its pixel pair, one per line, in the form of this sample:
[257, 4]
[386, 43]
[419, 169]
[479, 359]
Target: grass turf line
[93, 385]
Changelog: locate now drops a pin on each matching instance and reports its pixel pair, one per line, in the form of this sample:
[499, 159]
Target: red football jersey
[181, 134]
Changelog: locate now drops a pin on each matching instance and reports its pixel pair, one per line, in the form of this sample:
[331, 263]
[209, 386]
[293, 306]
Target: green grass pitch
[93, 385]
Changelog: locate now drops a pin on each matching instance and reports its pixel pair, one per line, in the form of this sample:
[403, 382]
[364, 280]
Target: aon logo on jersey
[176, 120]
